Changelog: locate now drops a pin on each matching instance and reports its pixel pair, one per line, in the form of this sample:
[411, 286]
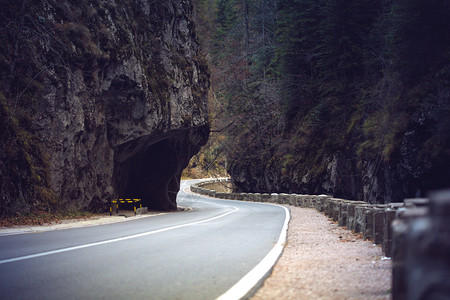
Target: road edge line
[248, 284]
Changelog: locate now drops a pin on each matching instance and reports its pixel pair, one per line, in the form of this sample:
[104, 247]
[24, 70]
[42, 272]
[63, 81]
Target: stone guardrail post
[292, 199]
[336, 209]
[256, 197]
[360, 217]
[343, 213]
[378, 223]
[265, 197]
[401, 228]
[351, 215]
[428, 252]
[296, 199]
[330, 208]
[320, 204]
[389, 218]
[368, 223]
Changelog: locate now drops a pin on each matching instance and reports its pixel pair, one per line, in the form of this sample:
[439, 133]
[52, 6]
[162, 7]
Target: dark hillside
[349, 98]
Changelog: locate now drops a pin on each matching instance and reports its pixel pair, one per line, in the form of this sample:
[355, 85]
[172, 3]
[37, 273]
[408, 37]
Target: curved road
[218, 248]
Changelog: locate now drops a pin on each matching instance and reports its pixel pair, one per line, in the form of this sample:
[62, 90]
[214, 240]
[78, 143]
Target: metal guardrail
[117, 201]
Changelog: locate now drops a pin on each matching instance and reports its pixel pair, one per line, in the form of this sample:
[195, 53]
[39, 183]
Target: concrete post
[400, 230]
[343, 213]
[389, 217]
[360, 216]
[428, 252]
[378, 224]
[368, 223]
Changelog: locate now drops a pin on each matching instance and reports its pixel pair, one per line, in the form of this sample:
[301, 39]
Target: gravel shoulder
[324, 261]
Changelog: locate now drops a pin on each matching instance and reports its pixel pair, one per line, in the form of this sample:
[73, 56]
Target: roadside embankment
[413, 232]
[324, 261]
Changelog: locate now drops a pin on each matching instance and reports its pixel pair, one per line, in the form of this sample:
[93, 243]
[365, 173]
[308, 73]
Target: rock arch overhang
[141, 84]
[150, 167]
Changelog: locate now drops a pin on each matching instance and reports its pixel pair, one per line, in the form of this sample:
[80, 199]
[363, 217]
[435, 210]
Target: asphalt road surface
[218, 248]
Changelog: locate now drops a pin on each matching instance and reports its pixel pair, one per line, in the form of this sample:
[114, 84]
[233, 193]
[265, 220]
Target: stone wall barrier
[373, 221]
[415, 233]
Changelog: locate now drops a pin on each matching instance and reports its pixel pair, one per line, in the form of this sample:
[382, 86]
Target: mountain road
[214, 248]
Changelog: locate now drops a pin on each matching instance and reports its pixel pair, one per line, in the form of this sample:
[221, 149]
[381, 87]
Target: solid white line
[114, 240]
[249, 281]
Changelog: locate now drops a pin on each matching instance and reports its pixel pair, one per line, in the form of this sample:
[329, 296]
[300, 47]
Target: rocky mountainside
[98, 99]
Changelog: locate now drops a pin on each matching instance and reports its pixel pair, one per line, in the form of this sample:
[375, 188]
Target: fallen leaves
[42, 217]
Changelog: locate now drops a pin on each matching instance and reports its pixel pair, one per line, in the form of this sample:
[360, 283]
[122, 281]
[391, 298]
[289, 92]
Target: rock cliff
[99, 99]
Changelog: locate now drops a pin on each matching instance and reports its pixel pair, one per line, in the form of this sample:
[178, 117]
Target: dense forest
[349, 98]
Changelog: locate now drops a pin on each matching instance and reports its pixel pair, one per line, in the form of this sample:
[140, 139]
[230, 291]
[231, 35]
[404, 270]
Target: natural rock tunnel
[150, 167]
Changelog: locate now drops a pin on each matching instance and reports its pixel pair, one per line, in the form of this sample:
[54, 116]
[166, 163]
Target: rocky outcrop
[120, 97]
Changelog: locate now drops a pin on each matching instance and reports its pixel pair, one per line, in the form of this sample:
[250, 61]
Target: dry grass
[43, 217]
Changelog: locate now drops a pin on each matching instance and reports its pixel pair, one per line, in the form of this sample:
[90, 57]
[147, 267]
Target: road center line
[114, 240]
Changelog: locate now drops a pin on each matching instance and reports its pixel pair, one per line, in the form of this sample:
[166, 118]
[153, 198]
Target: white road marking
[249, 281]
[114, 240]
[63, 226]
